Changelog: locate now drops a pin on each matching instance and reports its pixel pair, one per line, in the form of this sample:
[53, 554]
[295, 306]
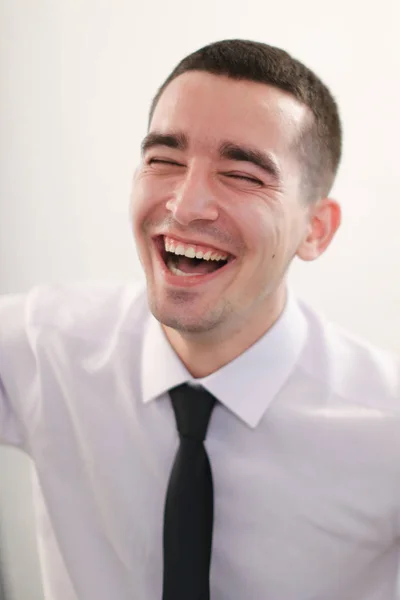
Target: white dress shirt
[304, 446]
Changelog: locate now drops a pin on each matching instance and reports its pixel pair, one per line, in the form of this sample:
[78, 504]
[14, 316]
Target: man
[273, 475]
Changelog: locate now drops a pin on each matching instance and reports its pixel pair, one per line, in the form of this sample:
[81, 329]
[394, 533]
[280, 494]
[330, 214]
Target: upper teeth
[191, 252]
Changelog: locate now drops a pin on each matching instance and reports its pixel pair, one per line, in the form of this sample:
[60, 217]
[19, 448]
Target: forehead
[209, 108]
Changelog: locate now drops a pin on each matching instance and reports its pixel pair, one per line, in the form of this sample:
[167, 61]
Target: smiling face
[220, 179]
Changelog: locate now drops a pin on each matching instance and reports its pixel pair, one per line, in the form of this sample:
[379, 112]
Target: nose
[193, 199]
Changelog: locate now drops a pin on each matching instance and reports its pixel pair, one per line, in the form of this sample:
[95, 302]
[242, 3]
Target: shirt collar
[248, 384]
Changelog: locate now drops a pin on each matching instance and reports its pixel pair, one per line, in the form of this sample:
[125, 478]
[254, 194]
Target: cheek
[268, 234]
[260, 229]
[144, 200]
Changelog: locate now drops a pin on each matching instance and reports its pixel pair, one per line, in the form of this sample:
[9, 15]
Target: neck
[203, 354]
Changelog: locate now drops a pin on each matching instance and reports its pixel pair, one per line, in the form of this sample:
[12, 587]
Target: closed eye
[245, 178]
[159, 161]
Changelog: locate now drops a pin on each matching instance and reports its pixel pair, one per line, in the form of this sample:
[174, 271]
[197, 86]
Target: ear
[324, 221]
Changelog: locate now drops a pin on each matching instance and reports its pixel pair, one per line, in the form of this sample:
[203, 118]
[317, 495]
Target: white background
[76, 80]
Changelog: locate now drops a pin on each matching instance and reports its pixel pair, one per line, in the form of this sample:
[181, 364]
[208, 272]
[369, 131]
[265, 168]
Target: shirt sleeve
[17, 369]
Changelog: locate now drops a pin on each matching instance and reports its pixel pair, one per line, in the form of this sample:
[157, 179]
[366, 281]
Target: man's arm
[11, 330]
[3, 595]
[16, 362]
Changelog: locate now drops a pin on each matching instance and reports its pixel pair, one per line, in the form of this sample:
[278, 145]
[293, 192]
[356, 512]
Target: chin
[183, 324]
[188, 327]
[183, 319]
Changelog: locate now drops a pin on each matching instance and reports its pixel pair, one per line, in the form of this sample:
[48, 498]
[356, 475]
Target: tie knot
[193, 407]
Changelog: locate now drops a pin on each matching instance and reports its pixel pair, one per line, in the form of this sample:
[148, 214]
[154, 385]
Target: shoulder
[82, 309]
[351, 366]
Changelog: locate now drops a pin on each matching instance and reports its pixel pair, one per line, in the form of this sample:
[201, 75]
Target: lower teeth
[177, 271]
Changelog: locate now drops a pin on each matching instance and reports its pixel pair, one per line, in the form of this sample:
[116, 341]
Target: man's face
[219, 179]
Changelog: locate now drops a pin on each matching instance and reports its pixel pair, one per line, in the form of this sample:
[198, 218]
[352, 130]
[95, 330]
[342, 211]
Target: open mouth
[190, 260]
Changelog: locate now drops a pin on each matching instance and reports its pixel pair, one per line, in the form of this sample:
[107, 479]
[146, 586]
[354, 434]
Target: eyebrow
[227, 150]
[178, 141]
[263, 160]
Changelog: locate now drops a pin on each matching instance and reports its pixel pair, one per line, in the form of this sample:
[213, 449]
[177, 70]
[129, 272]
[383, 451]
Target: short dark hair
[320, 142]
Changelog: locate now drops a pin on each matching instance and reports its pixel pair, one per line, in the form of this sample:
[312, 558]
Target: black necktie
[189, 510]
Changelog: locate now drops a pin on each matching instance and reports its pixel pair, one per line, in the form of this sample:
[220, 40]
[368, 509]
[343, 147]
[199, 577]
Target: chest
[292, 496]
